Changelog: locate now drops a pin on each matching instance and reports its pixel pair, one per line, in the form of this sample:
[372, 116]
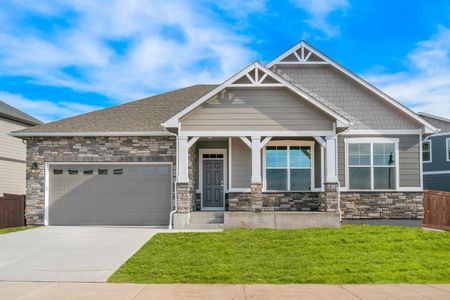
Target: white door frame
[200, 171]
[47, 177]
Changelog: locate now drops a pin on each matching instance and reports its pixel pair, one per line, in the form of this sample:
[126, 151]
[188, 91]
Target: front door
[213, 184]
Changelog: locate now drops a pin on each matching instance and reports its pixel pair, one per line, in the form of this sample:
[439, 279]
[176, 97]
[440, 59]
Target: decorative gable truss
[257, 75]
[305, 54]
[300, 54]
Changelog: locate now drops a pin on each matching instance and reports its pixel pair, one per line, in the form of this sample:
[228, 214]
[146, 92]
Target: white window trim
[372, 141]
[447, 148]
[288, 143]
[431, 157]
[200, 175]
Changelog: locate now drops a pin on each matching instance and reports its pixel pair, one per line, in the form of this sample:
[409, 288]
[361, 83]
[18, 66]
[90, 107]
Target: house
[436, 155]
[13, 150]
[299, 142]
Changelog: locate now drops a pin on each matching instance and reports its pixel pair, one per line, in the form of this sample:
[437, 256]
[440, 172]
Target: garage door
[109, 194]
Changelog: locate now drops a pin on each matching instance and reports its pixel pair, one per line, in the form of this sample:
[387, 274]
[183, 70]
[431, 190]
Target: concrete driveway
[81, 254]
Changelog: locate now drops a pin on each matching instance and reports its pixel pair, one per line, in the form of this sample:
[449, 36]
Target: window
[448, 149]
[88, 172]
[102, 171]
[73, 171]
[372, 166]
[58, 172]
[117, 171]
[426, 151]
[288, 168]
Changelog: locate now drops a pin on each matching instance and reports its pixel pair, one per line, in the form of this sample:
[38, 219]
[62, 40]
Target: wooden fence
[12, 210]
[437, 210]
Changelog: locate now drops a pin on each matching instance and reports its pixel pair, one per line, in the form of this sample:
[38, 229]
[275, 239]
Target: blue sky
[61, 59]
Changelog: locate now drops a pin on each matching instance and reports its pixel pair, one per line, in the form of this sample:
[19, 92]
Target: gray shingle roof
[13, 113]
[439, 122]
[144, 115]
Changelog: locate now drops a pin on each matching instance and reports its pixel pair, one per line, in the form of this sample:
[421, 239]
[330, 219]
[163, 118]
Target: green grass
[352, 254]
[14, 229]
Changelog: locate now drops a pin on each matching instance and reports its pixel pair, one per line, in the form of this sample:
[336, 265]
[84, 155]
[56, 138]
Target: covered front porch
[257, 181]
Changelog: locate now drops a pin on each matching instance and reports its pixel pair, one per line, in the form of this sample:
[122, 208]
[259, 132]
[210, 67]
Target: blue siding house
[436, 155]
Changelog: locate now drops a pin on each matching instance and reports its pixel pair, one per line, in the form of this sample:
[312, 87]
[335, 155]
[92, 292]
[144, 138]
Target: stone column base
[329, 198]
[256, 197]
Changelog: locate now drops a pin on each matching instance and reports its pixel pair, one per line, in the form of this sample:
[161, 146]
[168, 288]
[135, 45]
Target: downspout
[175, 197]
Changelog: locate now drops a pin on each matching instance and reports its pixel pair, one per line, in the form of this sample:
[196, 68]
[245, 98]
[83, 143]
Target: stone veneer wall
[186, 192]
[88, 149]
[273, 201]
[382, 205]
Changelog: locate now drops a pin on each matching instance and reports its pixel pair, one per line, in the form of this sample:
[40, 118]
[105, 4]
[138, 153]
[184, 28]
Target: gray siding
[437, 182]
[409, 162]
[339, 92]
[438, 155]
[268, 109]
[12, 158]
[241, 164]
[440, 182]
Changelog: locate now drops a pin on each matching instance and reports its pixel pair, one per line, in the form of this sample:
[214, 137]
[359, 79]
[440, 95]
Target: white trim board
[429, 128]
[436, 172]
[256, 133]
[202, 151]
[47, 177]
[173, 121]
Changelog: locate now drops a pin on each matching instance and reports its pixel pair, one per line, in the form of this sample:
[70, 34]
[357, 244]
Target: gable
[362, 107]
[303, 54]
[249, 109]
[256, 76]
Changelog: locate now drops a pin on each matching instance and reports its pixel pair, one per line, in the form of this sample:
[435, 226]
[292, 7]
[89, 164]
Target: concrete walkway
[41, 290]
[69, 254]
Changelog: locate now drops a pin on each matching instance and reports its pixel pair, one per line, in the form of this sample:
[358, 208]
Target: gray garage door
[109, 194]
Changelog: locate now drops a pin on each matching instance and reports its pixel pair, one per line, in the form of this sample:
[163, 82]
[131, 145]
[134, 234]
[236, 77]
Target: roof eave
[24, 134]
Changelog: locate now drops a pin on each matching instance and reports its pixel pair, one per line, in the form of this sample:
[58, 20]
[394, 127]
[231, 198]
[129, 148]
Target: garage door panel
[110, 195]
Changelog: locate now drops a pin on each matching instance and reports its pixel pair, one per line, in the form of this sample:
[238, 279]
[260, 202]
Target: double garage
[109, 194]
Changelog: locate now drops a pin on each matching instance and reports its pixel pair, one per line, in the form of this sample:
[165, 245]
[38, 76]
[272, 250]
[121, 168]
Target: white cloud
[319, 11]
[45, 110]
[425, 86]
[153, 59]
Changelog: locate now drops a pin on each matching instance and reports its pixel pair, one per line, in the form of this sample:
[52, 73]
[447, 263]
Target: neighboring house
[293, 143]
[436, 155]
[13, 150]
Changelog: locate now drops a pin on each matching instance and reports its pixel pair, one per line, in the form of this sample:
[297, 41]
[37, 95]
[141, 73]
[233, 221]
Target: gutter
[89, 134]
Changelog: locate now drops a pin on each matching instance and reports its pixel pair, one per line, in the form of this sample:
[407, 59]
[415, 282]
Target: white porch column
[256, 159]
[331, 160]
[182, 167]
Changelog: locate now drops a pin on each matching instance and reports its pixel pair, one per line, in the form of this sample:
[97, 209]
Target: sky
[63, 58]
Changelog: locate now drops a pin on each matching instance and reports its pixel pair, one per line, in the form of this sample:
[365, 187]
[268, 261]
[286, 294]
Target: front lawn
[352, 254]
[14, 229]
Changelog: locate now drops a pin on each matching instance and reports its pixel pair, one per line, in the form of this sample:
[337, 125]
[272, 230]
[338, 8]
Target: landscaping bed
[351, 254]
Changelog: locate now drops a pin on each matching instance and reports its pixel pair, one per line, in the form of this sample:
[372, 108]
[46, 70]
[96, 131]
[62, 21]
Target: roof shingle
[13, 113]
[144, 115]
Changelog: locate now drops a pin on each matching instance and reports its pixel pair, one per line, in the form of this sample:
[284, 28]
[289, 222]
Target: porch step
[204, 226]
[206, 218]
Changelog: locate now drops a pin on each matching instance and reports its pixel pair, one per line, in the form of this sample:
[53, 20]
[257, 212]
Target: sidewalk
[46, 290]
